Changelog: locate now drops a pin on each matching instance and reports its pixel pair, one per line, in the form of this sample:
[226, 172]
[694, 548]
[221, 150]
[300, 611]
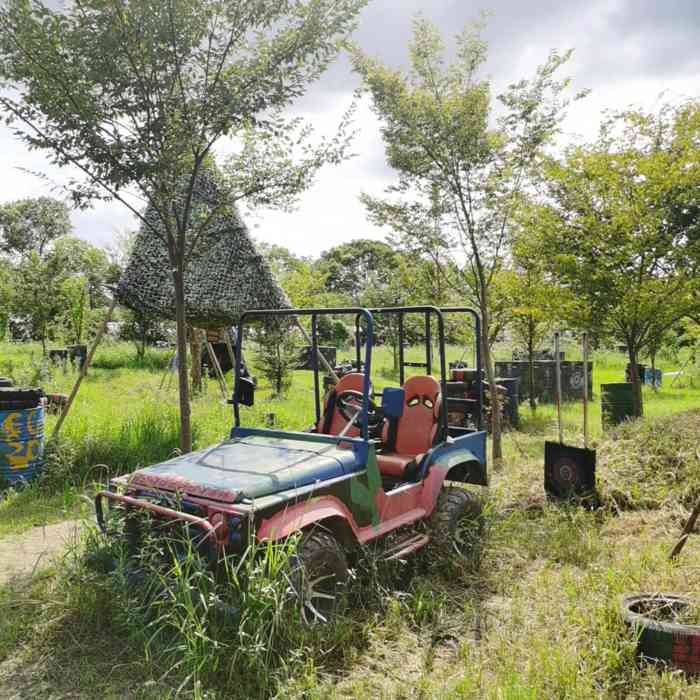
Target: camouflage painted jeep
[383, 469]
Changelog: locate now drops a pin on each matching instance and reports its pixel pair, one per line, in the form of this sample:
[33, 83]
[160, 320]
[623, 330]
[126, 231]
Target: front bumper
[208, 529]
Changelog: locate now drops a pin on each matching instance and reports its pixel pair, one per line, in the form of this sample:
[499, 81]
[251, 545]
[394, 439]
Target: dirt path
[22, 554]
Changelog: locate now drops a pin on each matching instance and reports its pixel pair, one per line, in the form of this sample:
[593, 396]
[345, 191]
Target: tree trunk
[638, 408]
[497, 452]
[531, 364]
[196, 356]
[183, 385]
[652, 357]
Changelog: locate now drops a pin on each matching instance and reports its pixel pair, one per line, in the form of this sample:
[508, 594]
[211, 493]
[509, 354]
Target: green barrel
[616, 403]
[21, 444]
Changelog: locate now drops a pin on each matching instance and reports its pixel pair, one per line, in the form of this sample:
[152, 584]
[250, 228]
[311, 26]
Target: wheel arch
[327, 512]
[467, 472]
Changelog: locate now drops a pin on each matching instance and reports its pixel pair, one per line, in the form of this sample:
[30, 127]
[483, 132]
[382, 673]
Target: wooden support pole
[231, 354]
[83, 370]
[196, 357]
[690, 524]
[217, 369]
[324, 361]
[585, 390]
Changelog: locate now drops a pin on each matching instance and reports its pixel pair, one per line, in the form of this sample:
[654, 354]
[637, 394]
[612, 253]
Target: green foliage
[612, 229]
[468, 170]
[6, 293]
[75, 317]
[621, 225]
[28, 225]
[277, 356]
[359, 269]
[55, 292]
[146, 90]
[143, 330]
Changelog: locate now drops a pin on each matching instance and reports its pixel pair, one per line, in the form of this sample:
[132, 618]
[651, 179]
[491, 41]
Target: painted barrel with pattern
[21, 444]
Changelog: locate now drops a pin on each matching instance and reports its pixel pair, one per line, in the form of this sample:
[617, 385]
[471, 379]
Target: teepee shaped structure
[225, 275]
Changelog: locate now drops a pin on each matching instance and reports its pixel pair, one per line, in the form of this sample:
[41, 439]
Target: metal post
[231, 353]
[428, 346]
[557, 360]
[585, 390]
[402, 372]
[443, 368]
[314, 366]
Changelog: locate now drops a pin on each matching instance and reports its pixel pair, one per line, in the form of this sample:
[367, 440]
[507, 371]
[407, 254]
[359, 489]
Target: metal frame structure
[367, 315]
[358, 312]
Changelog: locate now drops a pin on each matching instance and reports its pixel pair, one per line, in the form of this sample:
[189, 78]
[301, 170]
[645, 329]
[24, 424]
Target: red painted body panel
[404, 506]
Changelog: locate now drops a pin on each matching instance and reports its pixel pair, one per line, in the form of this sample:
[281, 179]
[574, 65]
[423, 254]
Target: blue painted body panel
[466, 449]
[254, 463]
[21, 444]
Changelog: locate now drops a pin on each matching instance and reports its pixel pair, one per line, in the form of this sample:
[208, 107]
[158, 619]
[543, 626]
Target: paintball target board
[568, 471]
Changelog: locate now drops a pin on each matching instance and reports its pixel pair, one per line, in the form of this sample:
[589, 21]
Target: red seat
[332, 422]
[416, 428]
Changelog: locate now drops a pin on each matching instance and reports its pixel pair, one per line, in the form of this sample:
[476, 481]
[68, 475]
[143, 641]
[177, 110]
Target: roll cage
[364, 324]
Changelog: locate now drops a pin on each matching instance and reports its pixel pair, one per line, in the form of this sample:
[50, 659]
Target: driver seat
[332, 421]
[415, 431]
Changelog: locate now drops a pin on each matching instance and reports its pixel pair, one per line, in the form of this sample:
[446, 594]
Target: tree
[31, 225]
[419, 233]
[7, 283]
[534, 301]
[618, 229]
[277, 356]
[76, 313]
[136, 94]
[351, 269]
[89, 262]
[439, 133]
[37, 293]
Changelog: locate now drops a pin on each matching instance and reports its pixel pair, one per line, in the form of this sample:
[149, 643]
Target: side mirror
[392, 402]
[246, 391]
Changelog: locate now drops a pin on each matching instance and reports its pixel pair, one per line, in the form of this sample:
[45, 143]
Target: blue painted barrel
[21, 444]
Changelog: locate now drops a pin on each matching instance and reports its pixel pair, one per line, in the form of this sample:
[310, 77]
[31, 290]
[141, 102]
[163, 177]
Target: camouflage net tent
[225, 276]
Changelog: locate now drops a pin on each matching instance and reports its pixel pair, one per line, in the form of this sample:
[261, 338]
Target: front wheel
[320, 577]
[456, 521]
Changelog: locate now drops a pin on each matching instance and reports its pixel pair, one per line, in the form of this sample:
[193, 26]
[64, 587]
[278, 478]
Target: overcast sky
[627, 52]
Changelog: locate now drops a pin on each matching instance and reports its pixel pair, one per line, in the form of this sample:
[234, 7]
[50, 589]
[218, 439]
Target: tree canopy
[31, 224]
[441, 135]
[136, 94]
[620, 225]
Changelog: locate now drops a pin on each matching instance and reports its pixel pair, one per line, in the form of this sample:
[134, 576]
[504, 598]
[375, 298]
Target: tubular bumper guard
[170, 513]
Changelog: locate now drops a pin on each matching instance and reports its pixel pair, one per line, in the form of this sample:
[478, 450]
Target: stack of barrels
[21, 433]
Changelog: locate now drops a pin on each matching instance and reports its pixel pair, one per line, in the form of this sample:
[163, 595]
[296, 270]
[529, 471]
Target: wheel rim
[463, 537]
[318, 598]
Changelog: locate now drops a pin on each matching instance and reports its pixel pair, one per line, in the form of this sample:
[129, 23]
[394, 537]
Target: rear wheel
[456, 521]
[320, 577]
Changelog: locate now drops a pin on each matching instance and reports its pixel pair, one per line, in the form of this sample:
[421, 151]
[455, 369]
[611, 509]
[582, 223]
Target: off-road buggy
[376, 469]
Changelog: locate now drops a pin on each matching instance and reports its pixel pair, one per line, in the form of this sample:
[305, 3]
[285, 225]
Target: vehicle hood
[250, 466]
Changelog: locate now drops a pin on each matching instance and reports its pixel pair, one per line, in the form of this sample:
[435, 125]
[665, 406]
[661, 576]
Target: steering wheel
[349, 404]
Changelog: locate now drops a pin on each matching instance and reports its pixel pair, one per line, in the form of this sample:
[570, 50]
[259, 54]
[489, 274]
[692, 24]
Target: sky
[626, 52]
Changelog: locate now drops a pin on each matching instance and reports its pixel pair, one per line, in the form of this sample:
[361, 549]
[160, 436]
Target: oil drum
[21, 434]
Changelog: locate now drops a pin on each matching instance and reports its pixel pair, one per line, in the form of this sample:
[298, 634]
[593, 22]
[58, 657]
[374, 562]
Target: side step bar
[406, 546]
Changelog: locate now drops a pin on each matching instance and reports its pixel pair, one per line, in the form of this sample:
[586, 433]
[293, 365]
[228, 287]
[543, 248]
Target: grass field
[533, 615]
